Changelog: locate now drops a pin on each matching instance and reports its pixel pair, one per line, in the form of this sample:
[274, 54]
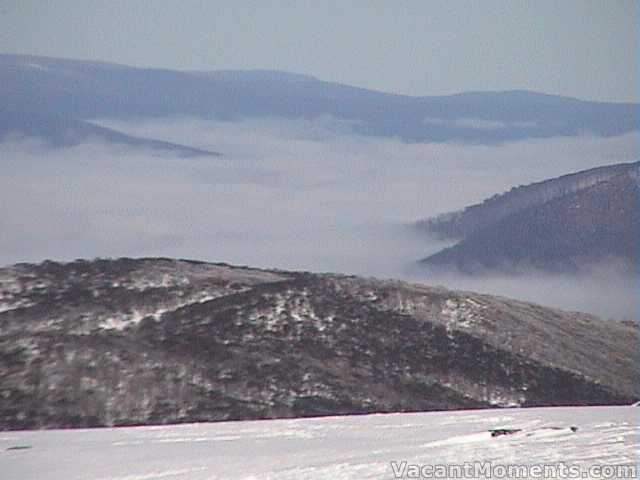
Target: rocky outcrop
[153, 341]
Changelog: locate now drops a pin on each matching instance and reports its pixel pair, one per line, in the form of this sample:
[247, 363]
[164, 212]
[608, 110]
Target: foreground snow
[356, 447]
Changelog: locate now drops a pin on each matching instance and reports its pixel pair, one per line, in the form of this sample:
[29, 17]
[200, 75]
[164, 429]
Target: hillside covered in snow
[159, 341]
[365, 447]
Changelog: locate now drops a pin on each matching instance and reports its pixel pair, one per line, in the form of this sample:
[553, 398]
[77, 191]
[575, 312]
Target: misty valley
[185, 247]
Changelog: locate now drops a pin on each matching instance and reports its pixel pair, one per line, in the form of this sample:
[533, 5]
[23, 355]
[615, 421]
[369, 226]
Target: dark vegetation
[154, 341]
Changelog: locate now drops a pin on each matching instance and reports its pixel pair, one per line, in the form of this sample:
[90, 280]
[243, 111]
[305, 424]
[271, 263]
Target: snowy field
[354, 447]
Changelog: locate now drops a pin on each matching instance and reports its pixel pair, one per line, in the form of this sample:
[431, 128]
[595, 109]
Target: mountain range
[558, 225]
[156, 340]
[60, 131]
[45, 96]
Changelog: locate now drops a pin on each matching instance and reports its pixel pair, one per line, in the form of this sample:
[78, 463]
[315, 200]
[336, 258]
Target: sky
[582, 48]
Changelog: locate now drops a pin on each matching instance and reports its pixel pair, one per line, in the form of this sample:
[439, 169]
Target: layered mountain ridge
[84, 90]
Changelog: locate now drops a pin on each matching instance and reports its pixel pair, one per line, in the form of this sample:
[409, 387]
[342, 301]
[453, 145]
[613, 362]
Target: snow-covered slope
[350, 447]
[160, 341]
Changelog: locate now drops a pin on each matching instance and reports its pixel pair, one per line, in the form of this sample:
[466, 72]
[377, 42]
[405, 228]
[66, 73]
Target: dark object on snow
[572, 428]
[20, 447]
[498, 432]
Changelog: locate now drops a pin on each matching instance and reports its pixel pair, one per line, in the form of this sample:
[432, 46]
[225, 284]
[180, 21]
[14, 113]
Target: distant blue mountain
[59, 131]
[559, 225]
[87, 90]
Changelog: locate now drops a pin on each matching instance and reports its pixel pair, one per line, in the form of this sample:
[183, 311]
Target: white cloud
[303, 195]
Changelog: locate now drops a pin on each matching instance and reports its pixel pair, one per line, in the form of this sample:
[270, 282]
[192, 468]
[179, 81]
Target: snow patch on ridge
[127, 320]
[288, 307]
[461, 313]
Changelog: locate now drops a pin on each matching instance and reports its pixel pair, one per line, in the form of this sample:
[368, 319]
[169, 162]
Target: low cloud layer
[299, 195]
[605, 289]
[478, 123]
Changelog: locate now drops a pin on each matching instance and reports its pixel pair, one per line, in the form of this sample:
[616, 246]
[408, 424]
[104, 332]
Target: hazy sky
[582, 48]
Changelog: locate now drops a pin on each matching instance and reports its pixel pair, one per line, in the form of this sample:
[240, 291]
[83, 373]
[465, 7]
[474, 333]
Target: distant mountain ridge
[561, 224]
[59, 131]
[156, 340]
[456, 225]
[89, 90]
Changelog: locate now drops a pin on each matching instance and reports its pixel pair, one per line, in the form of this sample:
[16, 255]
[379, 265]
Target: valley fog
[303, 195]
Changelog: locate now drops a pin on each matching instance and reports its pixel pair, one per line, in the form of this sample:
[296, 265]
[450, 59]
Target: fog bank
[296, 195]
